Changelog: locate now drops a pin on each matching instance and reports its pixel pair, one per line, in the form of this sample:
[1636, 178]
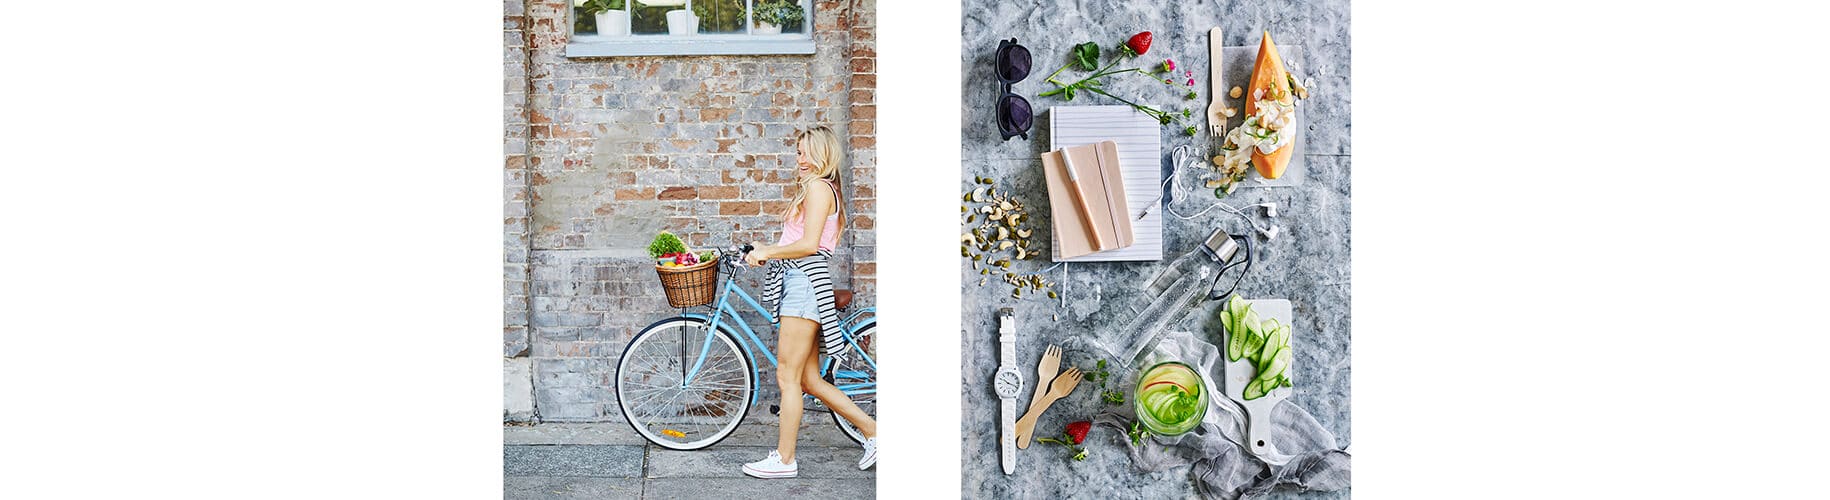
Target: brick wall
[602, 153]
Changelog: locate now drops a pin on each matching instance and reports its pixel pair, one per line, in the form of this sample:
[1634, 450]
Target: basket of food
[689, 279]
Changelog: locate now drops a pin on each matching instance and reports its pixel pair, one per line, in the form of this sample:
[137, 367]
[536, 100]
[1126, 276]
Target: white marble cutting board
[1239, 373]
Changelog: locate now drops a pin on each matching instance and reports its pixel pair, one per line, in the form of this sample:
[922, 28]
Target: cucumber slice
[1264, 359]
[1253, 390]
[1235, 344]
[1279, 337]
[1275, 368]
[1253, 344]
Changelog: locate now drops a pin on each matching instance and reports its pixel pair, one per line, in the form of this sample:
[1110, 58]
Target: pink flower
[1169, 65]
[1191, 82]
[1167, 81]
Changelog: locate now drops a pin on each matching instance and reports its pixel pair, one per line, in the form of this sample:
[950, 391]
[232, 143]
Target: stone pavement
[607, 460]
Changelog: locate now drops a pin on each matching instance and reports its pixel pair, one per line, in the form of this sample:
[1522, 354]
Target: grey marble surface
[1308, 264]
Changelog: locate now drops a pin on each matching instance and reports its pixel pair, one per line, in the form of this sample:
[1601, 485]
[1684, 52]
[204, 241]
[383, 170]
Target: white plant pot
[766, 29]
[613, 23]
[682, 22]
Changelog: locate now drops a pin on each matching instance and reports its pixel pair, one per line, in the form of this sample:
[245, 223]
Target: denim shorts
[797, 296]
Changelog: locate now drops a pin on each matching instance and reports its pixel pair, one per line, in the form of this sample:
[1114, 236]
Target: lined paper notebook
[1140, 159]
[1101, 185]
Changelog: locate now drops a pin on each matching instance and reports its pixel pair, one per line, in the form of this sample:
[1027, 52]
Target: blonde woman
[801, 288]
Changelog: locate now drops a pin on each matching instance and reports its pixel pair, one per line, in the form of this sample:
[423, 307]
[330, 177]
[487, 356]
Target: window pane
[788, 14]
[720, 16]
[650, 17]
[583, 22]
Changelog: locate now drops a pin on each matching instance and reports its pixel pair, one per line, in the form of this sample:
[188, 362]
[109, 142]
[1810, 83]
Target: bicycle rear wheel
[660, 404]
[857, 378]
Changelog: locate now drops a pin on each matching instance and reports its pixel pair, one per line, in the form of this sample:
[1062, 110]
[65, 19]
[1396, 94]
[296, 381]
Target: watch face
[1008, 383]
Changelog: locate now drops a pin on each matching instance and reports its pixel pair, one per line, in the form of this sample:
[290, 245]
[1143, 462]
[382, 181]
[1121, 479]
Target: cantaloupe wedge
[1268, 74]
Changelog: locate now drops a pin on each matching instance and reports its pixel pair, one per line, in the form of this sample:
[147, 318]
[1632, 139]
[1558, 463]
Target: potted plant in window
[682, 22]
[612, 20]
[772, 15]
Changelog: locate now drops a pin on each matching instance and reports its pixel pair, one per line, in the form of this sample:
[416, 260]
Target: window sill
[688, 45]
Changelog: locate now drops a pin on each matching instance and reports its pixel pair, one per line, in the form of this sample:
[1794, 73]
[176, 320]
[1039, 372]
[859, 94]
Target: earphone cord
[1184, 157]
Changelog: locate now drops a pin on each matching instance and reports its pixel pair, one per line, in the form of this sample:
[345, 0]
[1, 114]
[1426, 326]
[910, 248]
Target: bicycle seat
[841, 298]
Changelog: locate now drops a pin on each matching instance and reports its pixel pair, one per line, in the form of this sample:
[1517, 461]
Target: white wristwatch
[1009, 384]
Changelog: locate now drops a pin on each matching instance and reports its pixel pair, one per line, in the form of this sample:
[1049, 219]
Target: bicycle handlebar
[734, 255]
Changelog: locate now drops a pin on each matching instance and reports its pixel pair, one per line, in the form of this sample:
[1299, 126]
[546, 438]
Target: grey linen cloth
[1222, 467]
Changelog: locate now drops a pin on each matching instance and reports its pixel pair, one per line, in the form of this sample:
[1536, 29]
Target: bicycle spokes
[665, 405]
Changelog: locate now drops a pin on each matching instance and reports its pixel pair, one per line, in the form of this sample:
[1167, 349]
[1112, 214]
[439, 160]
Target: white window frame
[696, 44]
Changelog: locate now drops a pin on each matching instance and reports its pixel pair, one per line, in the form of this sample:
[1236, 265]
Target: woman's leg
[794, 342]
[835, 398]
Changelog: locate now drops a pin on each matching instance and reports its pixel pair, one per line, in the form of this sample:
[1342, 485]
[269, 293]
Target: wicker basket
[690, 286]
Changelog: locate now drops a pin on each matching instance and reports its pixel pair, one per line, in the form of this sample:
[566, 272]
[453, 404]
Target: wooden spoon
[1059, 388]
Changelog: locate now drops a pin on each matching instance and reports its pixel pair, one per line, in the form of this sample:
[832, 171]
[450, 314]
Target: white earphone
[1184, 157]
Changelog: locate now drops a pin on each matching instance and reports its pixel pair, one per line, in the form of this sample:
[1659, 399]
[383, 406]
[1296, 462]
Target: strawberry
[1138, 44]
[1078, 430]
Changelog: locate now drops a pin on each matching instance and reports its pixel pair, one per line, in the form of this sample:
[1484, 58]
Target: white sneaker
[870, 454]
[771, 468]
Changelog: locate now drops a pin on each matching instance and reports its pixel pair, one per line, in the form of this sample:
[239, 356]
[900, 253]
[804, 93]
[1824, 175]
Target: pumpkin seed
[1051, 294]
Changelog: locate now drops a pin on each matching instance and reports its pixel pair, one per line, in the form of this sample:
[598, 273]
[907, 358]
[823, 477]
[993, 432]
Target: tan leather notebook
[1091, 218]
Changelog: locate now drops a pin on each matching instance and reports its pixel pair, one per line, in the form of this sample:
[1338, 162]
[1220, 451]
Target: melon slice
[1268, 74]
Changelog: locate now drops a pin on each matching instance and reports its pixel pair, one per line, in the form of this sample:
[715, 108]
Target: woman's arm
[814, 208]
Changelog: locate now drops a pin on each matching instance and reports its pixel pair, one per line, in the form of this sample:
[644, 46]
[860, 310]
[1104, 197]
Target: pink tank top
[793, 230]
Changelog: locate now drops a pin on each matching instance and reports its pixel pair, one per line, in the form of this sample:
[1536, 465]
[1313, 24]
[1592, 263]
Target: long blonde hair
[823, 147]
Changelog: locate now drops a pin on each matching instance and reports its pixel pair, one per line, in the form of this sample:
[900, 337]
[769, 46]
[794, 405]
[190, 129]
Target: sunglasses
[1014, 114]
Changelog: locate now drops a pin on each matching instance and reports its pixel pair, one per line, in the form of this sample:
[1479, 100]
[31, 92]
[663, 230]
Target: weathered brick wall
[517, 383]
[602, 153]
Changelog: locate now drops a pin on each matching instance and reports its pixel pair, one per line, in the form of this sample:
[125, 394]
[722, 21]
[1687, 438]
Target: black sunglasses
[1014, 114]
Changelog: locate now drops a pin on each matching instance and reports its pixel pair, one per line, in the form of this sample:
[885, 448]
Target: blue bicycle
[686, 382]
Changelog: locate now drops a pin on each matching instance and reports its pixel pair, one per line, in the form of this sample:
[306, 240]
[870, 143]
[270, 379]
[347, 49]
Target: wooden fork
[1216, 122]
[1050, 366]
[1062, 386]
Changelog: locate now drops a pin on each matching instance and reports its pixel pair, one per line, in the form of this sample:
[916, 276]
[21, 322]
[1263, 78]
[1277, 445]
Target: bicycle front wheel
[668, 403]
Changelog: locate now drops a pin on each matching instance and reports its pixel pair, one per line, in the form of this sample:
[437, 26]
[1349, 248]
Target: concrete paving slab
[547, 487]
[573, 461]
[747, 487]
[727, 461]
[603, 433]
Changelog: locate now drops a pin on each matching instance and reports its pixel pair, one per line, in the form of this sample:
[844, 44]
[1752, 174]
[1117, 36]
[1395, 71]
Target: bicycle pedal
[775, 410]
